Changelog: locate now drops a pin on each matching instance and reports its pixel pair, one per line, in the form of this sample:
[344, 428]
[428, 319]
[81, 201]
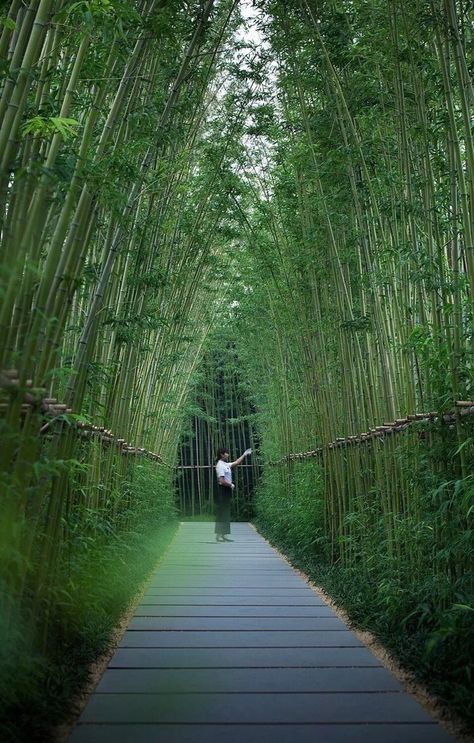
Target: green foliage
[40, 126]
[289, 507]
[310, 196]
[407, 577]
[108, 556]
[210, 422]
[8, 23]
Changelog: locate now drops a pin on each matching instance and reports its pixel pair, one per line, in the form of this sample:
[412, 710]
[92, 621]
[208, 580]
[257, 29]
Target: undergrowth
[95, 588]
[425, 617]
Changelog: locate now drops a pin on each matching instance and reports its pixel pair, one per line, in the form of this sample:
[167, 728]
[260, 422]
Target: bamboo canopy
[239, 224]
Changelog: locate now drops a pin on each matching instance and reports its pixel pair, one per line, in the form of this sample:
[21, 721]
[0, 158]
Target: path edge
[62, 732]
[447, 719]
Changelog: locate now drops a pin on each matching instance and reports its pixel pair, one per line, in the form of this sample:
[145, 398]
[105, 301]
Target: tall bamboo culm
[108, 267]
[359, 278]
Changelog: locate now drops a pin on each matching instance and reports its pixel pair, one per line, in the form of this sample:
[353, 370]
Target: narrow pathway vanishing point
[230, 644]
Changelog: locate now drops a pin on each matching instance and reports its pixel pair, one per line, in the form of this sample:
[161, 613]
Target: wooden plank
[265, 563]
[236, 610]
[192, 680]
[223, 581]
[255, 708]
[196, 571]
[242, 658]
[219, 624]
[228, 600]
[239, 639]
[152, 733]
[235, 593]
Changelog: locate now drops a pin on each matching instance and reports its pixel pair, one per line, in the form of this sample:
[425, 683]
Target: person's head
[223, 453]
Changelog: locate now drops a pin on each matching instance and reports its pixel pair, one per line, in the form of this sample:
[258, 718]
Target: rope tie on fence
[35, 399]
[463, 408]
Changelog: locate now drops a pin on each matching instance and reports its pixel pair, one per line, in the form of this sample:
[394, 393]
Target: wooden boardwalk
[231, 644]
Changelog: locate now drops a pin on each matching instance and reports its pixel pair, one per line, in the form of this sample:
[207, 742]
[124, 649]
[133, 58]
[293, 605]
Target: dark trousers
[222, 503]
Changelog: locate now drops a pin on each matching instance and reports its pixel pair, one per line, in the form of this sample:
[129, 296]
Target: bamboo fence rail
[463, 408]
[50, 406]
[46, 405]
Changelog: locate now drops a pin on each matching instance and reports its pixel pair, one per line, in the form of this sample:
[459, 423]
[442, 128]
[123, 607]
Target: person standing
[224, 492]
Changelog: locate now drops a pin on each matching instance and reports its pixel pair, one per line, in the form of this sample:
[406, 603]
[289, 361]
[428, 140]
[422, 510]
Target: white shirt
[224, 470]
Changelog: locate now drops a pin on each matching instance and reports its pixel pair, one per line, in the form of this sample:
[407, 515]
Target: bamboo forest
[246, 225]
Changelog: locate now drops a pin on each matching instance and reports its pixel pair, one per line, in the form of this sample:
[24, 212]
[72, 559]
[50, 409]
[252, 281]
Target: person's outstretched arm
[242, 456]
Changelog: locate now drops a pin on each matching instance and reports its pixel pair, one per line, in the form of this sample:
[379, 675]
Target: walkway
[230, 644]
